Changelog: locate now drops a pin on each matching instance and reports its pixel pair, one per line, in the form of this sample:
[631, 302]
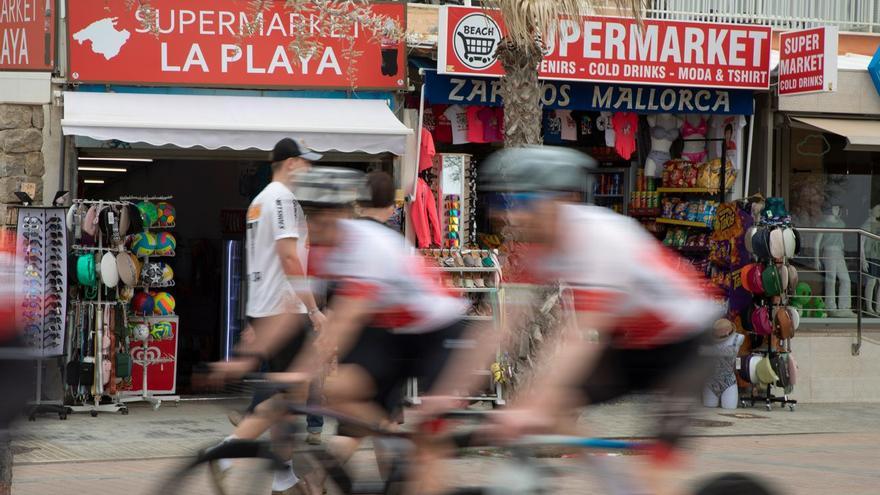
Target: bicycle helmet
[536, 169]
[329, 187]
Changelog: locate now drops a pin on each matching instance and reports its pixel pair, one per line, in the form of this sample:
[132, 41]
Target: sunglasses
[453, 212]
[31, 223]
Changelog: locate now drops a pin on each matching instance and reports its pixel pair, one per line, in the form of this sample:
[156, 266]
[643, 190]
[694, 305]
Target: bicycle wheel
[232, 468]
[735, 484]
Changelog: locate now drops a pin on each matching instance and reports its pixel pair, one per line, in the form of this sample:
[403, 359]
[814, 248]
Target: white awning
[235, 122]
[861, 135]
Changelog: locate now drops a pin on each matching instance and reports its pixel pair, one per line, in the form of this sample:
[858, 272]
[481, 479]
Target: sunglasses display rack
[476, 275]
[775, 344]
[41, 290]
[456, 196]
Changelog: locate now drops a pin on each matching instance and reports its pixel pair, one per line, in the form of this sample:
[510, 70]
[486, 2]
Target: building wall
[21, 149]
[827, 370]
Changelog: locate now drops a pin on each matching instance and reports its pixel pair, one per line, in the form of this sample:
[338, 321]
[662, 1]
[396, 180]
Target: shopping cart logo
[476, 39]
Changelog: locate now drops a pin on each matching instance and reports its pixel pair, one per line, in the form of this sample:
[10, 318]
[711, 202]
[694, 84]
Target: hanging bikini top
[688, 130]
[665, 133]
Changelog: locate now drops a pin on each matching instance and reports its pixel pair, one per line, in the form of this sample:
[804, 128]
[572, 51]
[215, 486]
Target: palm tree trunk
[521, 91]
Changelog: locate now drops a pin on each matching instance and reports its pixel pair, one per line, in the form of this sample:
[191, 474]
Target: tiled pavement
[818, 449]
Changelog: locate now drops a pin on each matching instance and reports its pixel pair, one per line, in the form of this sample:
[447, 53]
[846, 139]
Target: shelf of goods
[486, 303]
[682, 223]
[686, 190]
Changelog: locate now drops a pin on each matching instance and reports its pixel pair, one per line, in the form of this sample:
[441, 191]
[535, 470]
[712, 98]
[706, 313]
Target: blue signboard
[874, 69]
[449, 90]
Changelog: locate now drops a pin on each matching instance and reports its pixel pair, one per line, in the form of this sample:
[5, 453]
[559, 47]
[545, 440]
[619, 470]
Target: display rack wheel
[62, 416]
[124, 411]
[768, 407]
[157, 405]
[791, 407]
[93, 413]
[32, 418]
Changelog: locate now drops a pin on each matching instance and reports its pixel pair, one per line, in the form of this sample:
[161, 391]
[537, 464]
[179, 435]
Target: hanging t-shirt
[476, 132]
[626, 125]
[605, 124]
[442, 125]
[491, 121]
[552, 128]
[717, 126]
[429, 120]
[568, 129]
[427, 151]
[588, 131]
[458, 118]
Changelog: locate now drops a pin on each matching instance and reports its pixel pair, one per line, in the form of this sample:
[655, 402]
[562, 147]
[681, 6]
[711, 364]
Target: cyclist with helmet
[389, 318]
[649, 309]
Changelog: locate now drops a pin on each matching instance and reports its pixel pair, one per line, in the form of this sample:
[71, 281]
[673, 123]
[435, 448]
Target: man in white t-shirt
[280, 308]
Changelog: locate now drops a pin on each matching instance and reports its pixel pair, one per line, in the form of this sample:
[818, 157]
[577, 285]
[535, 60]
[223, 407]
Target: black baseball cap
[288, 148]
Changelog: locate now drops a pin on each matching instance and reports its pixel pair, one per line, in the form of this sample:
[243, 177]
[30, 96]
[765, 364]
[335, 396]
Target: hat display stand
[768, 249]
[89, 373]
[40, 289]
[153, 352]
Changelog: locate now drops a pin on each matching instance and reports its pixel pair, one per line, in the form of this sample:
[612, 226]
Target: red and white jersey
[615, 267]
[375, 263]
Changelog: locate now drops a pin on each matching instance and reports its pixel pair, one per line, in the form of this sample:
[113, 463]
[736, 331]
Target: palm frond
[527, 20]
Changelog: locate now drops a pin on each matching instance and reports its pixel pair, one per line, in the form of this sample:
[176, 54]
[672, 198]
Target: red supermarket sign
[616, 50]
[226, 43]
[808, 61]
[27, 35]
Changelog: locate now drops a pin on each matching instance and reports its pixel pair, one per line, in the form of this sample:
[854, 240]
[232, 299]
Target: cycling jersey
[375, 263]
[615, 267]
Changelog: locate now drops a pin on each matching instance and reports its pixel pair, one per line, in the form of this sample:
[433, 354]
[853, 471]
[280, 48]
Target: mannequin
[830, 248]
[664, 130]
[871, 260]
[694, 127]
[721, 388]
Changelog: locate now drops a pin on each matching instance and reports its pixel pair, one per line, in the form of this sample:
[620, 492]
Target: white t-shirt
[273, 215]
[376, 263]
[457, 116]
[717, 123]
[568, 129]
[616, 267]
[603, 123]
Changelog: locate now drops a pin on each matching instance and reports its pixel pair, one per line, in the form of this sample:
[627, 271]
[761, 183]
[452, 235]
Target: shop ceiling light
[102, 169]
[113, 159]
[94, 181]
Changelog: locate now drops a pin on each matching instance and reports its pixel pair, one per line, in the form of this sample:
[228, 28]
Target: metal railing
[864, 276]
[848, 15]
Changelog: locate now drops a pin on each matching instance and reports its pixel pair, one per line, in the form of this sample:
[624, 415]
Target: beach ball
[167, 273]
[149, 213]
[163, 304]
[140, 332]
[142, 304]
[143, 244]
[151, 274]
[166, 214]
[165, 243]
[161, 330]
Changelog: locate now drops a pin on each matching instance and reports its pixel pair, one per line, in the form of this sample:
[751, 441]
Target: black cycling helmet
[329, 187]
[536, 169]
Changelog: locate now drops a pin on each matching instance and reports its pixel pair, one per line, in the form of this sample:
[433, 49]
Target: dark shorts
[282, 359]
[676, 371]
[621, 371]
[391, 358]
